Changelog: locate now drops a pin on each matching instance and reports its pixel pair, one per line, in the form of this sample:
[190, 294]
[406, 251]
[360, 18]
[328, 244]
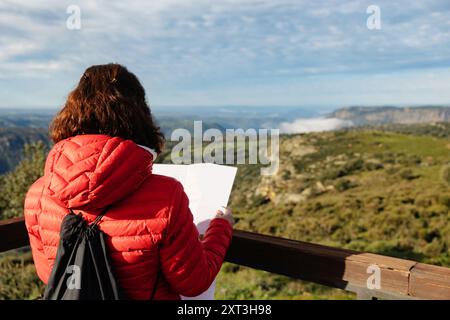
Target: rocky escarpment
[386, 115]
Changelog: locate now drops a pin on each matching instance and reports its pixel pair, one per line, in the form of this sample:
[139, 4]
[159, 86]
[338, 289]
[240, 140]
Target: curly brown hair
[108, 100]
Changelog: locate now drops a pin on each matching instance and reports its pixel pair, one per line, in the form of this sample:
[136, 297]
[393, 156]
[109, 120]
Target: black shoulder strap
[99, 217]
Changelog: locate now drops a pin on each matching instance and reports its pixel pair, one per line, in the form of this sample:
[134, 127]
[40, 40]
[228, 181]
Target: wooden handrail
[13, 234]
[334, 267]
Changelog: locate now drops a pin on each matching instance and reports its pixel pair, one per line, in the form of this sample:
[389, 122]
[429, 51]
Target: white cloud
[192, 45]
[303, 125]
[16, 48]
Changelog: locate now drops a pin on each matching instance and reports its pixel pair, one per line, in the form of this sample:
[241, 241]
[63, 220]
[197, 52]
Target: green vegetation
[366, 190]
[371, 190]
[18, 279]
[237, 282]
[14, 185]
[381, 190]
[12, 142]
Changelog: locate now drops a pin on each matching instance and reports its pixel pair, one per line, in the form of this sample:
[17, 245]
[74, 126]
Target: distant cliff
[386, 115]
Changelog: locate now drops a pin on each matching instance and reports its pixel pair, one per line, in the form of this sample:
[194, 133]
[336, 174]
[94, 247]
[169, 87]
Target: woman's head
[108, 100]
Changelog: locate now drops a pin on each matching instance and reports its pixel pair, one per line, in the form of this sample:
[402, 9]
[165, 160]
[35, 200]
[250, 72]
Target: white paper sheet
[208, 187]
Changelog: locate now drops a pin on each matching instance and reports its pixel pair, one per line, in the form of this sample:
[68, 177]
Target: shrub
[445, 174]
[299, 166]
[18, 279]
[286, 175]
[392, 170]
[332, 173]
[444, 199]
[343, 170]
[373, 165]
[431, 235]
[259, 200]
[353, 165]
[344, 184]
[408, 174]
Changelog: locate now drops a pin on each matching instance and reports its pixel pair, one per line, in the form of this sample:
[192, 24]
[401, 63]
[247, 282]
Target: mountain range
[386, 115]
[20, 126]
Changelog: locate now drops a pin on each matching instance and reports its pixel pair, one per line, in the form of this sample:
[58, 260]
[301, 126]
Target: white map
[208, 187]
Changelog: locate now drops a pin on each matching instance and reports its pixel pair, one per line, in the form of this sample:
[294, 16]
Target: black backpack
[82, 270]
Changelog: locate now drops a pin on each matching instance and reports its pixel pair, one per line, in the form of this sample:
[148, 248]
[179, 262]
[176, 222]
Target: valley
[383, 189]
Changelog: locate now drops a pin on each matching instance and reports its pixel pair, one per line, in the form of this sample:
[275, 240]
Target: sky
[313, 54]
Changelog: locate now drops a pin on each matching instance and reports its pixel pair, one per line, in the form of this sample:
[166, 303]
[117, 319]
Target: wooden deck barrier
[334, 267]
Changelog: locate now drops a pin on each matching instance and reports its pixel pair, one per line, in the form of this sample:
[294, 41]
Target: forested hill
[12, 141]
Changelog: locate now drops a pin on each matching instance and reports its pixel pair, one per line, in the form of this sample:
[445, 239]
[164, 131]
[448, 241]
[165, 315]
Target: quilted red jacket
[87, 173]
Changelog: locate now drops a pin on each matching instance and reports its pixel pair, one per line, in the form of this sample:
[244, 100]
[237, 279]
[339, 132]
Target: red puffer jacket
[87, 173]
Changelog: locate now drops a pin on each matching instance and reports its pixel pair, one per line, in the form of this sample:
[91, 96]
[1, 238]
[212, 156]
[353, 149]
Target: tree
[14, 185]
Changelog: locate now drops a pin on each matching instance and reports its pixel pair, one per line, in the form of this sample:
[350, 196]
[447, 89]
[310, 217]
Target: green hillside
[12, 142]
[366, 190]
[370, 190]
[383, 190]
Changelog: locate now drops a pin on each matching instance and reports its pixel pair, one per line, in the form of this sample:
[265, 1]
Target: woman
[105, 144]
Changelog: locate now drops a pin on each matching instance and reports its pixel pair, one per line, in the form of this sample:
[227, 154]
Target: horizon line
[440, 105]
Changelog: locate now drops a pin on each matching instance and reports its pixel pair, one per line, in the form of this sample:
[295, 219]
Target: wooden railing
[338, 268]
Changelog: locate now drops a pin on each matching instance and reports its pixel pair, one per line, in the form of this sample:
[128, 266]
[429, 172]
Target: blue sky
[317, 54]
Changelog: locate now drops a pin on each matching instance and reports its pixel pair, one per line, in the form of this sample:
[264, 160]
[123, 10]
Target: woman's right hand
[225, 213]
